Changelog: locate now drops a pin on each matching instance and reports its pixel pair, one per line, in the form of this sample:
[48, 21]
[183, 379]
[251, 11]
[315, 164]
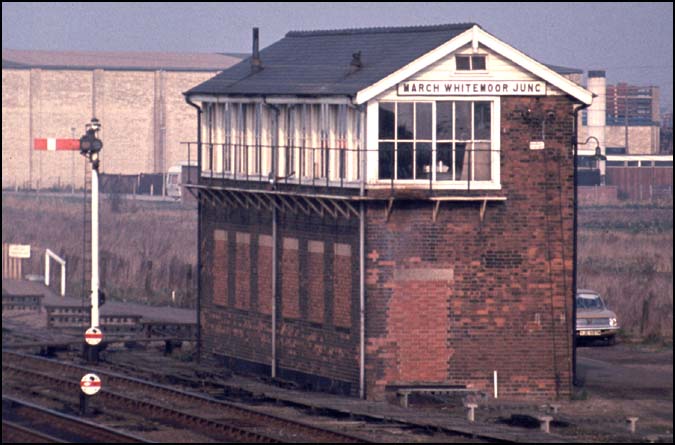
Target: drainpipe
[275, 252]
[362, 255]
[575, 149]
[199, 227]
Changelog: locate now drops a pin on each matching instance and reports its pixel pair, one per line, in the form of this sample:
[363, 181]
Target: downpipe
[198, 332]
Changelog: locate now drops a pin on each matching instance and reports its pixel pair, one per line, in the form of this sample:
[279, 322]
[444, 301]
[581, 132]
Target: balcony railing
[338, 167]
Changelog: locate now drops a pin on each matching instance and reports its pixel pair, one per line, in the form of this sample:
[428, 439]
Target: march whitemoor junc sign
[472, 88]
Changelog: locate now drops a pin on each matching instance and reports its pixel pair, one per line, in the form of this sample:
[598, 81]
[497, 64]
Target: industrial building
[136, 96]
[629, 116]
[389, 208]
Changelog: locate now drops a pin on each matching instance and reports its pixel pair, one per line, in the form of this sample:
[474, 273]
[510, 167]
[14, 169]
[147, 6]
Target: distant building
[389, 207]
[630, 117]
[136, 96]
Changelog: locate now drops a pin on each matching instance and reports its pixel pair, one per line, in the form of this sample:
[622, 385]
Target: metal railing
[339, 167]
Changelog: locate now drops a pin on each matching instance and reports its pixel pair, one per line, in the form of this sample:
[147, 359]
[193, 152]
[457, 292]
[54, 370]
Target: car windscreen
[589, 301]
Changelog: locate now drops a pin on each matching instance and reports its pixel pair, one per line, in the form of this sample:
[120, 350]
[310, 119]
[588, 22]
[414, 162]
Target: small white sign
[537, 145]
[90, 384]
[19, 250]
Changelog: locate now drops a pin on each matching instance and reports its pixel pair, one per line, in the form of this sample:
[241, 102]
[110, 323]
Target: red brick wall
[494, 294]
[265, 274]
[290, 283]
[316, 342]
[242, 274]
[220, 268]
[316, 278]
[343, 282]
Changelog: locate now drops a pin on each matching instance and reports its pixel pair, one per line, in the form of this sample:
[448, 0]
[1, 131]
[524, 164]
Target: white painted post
[47, 268]
[495, 383]
[49, 254]
[94, 247]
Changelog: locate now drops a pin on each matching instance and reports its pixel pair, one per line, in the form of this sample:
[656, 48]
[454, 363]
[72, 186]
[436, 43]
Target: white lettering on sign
[19, 250]
[472, 88]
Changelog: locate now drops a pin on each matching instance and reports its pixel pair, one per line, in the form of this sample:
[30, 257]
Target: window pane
[443, 120]
[481, 119]
[478, 62]
[386, 120]
[423, 160]
[443, 162]
[423, 121]
[463, 63]
[386, 160]
[463, 121]
[404, 161]
[481, 161]
[461, 162]
[405, 121]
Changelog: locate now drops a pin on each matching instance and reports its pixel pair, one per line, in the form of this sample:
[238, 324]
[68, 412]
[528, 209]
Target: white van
[174, 181]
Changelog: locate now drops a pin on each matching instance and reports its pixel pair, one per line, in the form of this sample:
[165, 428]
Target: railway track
[217, 419]
[25, 422]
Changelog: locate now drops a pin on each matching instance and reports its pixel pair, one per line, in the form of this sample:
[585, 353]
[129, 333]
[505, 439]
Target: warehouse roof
[117, 60]
[322, 62]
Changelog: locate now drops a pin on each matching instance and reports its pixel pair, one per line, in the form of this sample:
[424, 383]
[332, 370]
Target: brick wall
[453, 300]
[317, 341]
[447, 301]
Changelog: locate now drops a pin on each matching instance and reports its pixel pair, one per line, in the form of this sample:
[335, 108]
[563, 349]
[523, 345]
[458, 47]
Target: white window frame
[495, 145]
[472, 72]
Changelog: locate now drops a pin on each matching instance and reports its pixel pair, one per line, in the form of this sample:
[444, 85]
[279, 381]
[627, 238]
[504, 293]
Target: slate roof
[117, 60]
[318, 62]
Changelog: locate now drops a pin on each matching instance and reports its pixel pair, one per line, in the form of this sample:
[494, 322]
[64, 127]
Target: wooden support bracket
[388, 208]
[483, 206]
[437, 207]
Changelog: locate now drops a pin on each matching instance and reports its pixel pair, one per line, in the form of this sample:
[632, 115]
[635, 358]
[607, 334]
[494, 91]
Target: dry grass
[626, 254]
[148, 250]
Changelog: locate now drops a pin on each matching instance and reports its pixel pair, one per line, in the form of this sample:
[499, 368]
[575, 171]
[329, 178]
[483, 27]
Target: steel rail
[212, 405]
[58, 427]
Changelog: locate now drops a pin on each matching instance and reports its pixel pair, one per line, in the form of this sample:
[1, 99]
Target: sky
[633, 42]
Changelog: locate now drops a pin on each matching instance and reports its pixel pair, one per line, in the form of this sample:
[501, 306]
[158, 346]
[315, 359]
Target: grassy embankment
[626, 254]
[148, 249]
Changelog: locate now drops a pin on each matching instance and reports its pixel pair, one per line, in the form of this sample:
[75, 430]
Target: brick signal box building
[389, 207]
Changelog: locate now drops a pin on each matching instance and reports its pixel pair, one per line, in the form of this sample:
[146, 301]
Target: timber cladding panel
[317, 295]
[453, 300]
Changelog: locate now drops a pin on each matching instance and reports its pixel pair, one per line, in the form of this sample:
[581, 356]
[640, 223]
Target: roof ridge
[382, 30]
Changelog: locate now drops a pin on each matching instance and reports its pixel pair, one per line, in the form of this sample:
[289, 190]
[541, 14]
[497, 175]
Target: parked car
[594, 319]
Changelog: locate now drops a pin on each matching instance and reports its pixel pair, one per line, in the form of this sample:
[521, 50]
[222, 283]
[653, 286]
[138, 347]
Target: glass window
[463, 63]
[404, 161]
[463, 121]
[387, 121]
[423, 123]
[477, 63]
[386, 160]
[444, 120]
[423, 160]
[470, 63]
[481, 120]
[458, 148]
[405, 124]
